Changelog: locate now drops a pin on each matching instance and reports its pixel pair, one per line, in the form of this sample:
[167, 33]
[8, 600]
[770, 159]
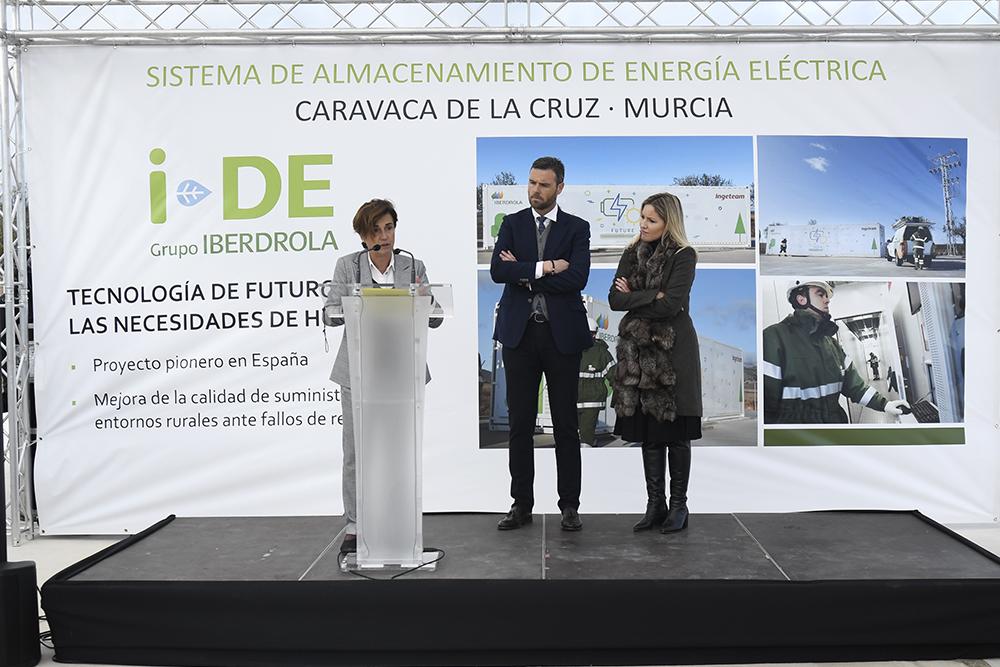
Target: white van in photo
[900, 248]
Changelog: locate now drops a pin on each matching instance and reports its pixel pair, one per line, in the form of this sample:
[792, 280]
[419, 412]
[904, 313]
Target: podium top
[442, 301]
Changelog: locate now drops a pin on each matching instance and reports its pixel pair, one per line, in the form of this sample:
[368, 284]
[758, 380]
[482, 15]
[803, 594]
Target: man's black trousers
[524, 366]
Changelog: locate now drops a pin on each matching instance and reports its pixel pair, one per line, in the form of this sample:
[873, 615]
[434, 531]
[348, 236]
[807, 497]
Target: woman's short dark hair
[551, 164]
[370, 213]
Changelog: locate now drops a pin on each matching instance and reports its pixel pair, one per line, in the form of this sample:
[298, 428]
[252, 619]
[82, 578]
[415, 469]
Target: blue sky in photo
[855, 180]
[723, 306]
[619, 160]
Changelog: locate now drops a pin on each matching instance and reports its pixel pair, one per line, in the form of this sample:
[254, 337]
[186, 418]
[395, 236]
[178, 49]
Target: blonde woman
[657, 381]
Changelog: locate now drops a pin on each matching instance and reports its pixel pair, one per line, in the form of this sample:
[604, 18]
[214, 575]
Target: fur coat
[659, 363]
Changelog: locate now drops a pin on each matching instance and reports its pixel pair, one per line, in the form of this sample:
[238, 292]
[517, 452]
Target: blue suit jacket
[569, 239]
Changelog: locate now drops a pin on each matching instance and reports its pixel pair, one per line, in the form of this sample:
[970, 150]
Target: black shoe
[654, 465]
[656, 512]
[677, 520]
[350, 544]
[515, 518]
[571, 520]
[679, 461]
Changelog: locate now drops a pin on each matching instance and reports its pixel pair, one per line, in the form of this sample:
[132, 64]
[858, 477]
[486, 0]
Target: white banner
[714, 216]
[187, 204]
[824, 240]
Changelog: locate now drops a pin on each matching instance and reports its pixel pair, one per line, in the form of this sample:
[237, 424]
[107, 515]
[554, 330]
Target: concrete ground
[868, 267]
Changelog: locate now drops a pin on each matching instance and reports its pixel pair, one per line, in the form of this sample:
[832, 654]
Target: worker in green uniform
[919, 240]
[805, 368]
[595, 366]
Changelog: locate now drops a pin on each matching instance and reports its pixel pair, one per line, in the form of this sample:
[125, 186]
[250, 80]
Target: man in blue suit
[542, 256]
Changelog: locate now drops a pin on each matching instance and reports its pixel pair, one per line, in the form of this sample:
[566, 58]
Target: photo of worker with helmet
[873, 362]
[724, 303]
[879, 352]
[805, 368]
[596, 366]
[919, 240]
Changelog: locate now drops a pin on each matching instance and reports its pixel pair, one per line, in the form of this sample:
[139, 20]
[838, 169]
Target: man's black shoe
[571, 519]
[515, 518]
[350, 544]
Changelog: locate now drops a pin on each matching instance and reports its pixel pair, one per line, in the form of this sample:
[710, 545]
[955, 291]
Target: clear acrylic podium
[386, 330]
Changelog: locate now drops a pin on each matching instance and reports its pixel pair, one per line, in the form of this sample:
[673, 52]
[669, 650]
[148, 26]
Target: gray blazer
[354, 268]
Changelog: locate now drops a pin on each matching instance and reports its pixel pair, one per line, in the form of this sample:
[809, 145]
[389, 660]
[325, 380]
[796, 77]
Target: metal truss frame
[27, 23]
[19, 353]
[121, 22]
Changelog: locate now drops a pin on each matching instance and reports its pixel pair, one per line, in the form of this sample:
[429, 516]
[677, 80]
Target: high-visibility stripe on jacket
[595, 364]
[806, 371]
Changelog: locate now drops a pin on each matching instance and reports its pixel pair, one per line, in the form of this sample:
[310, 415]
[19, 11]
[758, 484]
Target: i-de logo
[190, 192]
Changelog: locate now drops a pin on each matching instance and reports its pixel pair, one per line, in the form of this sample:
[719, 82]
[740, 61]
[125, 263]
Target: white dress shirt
[387, 278]
[550, 219]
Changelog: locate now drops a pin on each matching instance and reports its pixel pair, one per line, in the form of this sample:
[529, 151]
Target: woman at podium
[378, 264]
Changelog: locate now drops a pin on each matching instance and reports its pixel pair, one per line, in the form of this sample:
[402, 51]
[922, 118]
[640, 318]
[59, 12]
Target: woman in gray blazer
[375, 222]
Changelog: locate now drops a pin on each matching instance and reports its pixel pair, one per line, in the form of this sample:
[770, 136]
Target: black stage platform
[818, 586]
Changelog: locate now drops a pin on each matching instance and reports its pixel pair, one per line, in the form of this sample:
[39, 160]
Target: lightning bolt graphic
[617, 207]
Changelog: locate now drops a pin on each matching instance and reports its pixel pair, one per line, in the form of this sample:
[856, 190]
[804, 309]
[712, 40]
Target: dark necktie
[541, 223]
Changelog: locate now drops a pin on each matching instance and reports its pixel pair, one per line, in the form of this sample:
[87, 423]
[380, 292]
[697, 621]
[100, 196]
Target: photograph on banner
[862, 206]
[723, 308]
[607, 179]
[863, 354]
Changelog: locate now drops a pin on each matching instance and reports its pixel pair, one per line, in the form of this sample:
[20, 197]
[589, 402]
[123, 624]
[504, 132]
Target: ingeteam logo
[236, 169]
[617, 206]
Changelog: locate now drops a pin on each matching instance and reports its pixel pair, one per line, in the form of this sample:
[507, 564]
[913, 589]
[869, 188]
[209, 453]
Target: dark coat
[659, 363]
[569, 239]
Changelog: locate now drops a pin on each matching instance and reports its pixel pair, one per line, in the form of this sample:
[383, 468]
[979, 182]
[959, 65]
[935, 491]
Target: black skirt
[640, 427]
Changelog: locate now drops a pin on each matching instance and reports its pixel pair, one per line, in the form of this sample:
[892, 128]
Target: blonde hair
[668, 208]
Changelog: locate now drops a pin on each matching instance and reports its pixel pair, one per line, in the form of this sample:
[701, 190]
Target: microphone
[434, 321]
[413, 264]
[374, 248]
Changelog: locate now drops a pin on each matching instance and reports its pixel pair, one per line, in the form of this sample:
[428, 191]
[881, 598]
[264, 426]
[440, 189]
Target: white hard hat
[822, 284]
[592, 324]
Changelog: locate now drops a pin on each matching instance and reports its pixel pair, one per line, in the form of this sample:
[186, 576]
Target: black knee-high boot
[680, 471]
[654, 465]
